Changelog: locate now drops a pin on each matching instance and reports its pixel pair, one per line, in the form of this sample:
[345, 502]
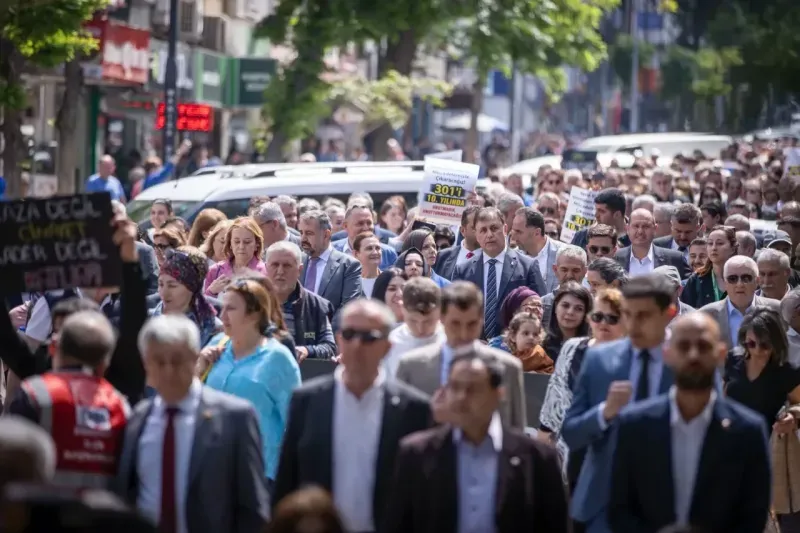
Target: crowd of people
[668, 329]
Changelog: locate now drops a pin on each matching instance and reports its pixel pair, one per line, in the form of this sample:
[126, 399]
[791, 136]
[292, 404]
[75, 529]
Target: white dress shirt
[355, 459]
[677, 248]
[687, 445]
[367, 285]
[150, 454]
[462, 254]
[321, 264]
[498, 270]
[641, 267]
[542, 256]
[794, 347]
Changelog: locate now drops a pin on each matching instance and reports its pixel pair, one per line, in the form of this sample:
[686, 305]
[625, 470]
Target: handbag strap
[222, 341]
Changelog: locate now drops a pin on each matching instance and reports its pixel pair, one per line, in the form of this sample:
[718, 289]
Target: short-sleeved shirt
[767, 393]
[111, 185]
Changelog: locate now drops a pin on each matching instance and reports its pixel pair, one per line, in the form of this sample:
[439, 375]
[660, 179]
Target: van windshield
[139, 210]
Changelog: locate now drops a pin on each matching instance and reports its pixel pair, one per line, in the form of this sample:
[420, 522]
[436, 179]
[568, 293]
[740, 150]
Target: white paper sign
[452, 155]
[43, 185]
[580, 212]
[445, 189]
[792, 162]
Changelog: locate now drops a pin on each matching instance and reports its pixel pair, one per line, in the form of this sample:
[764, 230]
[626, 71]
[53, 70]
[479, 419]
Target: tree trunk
[10, 69]
[274, 151]
[399, 56]
[471, 138]
[68, 147]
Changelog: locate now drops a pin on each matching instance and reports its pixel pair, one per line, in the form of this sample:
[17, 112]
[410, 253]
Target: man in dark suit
[328, 273]
[685, 224]
[691, 457]
[642, 257]
[475, 472]
[497, 270]
[449, 258]
[344, 429]
[357, 220]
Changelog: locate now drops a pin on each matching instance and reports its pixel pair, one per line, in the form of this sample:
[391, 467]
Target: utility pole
[635, 67]
[171, 85]
[514, 107]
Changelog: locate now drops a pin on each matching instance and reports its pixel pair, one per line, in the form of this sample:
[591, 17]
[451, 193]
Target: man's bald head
[86, 337]
[695, 321]
[641, 229]
[694, 351]
[790, 209]
[106, 166]
[642, 214]
[372, 310]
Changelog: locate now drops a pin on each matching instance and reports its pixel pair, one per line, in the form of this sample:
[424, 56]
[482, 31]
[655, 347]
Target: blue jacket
[159, 176]
[388, 254]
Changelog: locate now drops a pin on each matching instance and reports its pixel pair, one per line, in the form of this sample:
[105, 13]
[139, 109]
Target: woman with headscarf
[180, 286]
[520, 299]
[422, 240]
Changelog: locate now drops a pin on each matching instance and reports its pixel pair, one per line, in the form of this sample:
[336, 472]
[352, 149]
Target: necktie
[311, 274]
[682, 249]
[643, 384]
[470, 255]
[168, 522]
[490, 320]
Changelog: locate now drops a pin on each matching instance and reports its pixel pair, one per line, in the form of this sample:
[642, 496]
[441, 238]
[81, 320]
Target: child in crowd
[524, 338]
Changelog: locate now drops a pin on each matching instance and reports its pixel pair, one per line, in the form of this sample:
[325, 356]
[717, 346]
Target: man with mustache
[690, 457]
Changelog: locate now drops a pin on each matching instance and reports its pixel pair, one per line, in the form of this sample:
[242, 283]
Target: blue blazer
[446, 261]
[388, 254]
[518, 270]
[383, 235]
[340, 283]
[732, 487]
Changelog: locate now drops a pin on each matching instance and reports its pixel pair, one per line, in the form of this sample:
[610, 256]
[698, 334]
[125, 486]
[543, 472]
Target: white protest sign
[44, 185]
[452, 155]
[580, 212]
[792, 162]
[445, 189]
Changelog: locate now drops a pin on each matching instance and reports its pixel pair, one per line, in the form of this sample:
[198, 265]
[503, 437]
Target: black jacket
[312, 325]
[699, 290]
[125, 371]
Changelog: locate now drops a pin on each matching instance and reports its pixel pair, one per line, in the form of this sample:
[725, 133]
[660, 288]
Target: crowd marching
[335, 367]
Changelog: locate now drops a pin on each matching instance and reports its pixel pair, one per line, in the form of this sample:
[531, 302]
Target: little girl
[523, 338]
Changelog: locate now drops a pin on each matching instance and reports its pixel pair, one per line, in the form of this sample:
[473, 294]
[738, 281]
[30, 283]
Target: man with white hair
[644, 201]
[790, 312]
[509, 203]
[571, 265]
[747, 243]
[662, 213]
[190, 441]
[271, 220]
[773, 273]
[741, 280]
[288, 207]
[359, 416]
[307, 315]
[363, 198]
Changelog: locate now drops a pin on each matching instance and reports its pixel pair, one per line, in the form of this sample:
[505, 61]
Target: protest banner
[579, 214]
[792, 163]
[60, 242]
[445, 189]
[452, 155]
[579, 159]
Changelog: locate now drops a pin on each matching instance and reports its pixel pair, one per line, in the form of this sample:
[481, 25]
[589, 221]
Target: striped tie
[490, 320]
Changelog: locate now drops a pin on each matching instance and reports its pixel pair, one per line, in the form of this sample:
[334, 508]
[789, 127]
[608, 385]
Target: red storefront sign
[124, 52]
[191, 117]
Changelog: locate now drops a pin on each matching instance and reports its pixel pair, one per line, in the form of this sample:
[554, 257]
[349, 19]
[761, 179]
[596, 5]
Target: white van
[668, 144]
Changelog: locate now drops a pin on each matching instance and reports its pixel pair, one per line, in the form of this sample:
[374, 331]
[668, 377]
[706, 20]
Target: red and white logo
[126, 53]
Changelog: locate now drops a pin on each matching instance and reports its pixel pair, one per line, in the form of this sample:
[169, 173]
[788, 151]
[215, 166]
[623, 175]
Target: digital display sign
[191, 117]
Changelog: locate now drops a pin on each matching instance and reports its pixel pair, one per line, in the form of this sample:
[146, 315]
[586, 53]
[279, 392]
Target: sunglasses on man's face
[594, 250]
[597, 317]
[547, 211]
[366, 336]
[733, 279]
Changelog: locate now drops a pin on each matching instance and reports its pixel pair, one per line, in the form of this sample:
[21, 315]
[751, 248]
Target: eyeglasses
[547, 211]
[752, 345]
[552, 234]
[162, 247]
[733, 279]
[369, 336]
[597, 317]
[594, 250]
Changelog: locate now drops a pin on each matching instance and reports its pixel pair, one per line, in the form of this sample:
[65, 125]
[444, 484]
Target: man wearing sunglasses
[741, 281]
[344, 429]
[602, 242]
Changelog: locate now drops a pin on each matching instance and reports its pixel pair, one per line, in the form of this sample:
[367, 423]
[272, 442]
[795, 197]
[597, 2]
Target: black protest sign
[59, 242]
[579, 159]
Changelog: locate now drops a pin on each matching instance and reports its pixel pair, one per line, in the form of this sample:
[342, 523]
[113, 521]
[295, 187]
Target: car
[667, 144]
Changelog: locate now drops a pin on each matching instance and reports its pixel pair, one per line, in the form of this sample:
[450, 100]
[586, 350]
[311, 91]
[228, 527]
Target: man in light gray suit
[328, 273]
[205, 443]
[527, 231]
[427, 368]
[570, 265]
[741, 280]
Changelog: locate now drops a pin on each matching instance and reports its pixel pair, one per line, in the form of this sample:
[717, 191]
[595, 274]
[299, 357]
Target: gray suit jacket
[719, 312]
[149, 266]
[340, 282]
[550, 280]
[547, 308]
[422, 369]
[226, 488]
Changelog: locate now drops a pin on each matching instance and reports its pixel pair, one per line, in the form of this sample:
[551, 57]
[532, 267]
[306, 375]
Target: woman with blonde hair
[244, 244]
[214, 244]
[254, 365]
[203, 223]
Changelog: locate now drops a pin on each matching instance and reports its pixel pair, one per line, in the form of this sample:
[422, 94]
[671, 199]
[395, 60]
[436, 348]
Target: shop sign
[210, 85]
[249, 78]
[124, 51]
[159, 53]
[191, 117]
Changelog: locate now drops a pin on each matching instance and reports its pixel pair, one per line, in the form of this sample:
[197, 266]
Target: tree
[621, 57]
[35, 34]
[295, 99]
[532, 36]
